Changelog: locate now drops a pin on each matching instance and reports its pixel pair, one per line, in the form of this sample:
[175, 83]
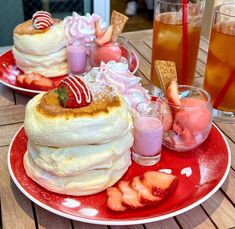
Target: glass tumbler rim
[217, 9]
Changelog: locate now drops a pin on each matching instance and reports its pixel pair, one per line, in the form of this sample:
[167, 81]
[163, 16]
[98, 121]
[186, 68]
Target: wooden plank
[220, 210]
[49, 220]
[6, 96]
[198, 219]
[202, 56]
[228, 129]
[204, 44]
[144, 66]
[7, 132]
[229, 186]
[80, 225]
[142, 48]
[232, 150]
[22, 99]
[15, 207]
[163, 224]
[12, 114]
[139, 35]
[200, 68]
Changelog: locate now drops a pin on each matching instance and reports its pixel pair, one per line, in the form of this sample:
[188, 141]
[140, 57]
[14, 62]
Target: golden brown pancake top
[103, 100]
[27, 28]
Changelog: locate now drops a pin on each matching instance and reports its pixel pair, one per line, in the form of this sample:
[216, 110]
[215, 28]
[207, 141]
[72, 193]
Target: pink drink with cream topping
[77, 58]
[147, 136]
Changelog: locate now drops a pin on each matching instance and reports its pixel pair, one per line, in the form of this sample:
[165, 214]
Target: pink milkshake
[148, 136]
[148, 133]
[77, 58]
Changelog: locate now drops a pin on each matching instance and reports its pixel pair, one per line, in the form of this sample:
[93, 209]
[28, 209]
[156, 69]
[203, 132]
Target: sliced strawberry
[172, 93]
[130, 197]
[43, 84]
[105, 38]
[98, 30]
[144, 194]
[29, 78]
[160, 184]
[114, 201]
[168, 116]
[20, 79]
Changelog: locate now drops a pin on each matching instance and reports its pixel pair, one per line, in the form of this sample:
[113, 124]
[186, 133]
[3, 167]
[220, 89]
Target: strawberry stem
[63, 95]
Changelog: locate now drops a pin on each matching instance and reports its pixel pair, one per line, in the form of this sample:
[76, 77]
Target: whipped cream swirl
[79, 27]
[118, 75]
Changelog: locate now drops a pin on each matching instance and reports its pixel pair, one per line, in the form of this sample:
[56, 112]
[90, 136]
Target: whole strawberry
[73, 92]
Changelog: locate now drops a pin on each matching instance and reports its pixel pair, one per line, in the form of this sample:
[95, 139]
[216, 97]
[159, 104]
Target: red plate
[201, 172]
[7, 59]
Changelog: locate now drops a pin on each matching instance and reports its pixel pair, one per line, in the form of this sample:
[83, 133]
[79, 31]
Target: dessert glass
[118, 51]
[148, 131]
[191, 122]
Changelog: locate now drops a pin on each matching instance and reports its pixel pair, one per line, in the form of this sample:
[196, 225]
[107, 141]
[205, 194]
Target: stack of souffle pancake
[40, 51]
[78, 151]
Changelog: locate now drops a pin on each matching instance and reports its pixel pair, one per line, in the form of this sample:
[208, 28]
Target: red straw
[224, 90]
[185, 41]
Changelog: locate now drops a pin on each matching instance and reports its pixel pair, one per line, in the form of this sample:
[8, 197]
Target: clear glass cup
[220, 70]
[78, 57]
[176, 36]
[118, 51]
[148, 131]
[187, 126]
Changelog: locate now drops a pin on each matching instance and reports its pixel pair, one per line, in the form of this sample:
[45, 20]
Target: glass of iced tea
[176, 36]
[220, 71]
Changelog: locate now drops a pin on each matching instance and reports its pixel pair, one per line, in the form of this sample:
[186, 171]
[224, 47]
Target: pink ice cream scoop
[106, 53]
[195, 120]
[191, 124]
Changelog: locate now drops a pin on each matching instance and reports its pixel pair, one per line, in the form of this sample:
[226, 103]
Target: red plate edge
[122, 222]
[31, 92]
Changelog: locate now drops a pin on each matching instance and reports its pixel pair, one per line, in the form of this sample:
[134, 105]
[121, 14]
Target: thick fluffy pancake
[39, 42]
[46, 61]
[87, 183]
[105, 119]
[71, 161]
[49, 72]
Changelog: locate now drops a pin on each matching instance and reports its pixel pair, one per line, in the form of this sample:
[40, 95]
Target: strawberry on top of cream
[79, 27]
[118, 75]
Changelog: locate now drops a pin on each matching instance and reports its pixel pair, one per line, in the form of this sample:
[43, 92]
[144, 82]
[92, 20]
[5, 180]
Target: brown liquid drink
[221, 64]
[168, 30]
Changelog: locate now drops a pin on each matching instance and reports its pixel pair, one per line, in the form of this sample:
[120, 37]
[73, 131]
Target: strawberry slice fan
[185, 40]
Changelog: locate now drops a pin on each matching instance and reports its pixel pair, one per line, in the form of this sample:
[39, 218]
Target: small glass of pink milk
[148, 132]
[77, 57]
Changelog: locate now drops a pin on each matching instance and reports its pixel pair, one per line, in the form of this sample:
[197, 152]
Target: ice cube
[221, 45]
[169, 39]
[216, 74]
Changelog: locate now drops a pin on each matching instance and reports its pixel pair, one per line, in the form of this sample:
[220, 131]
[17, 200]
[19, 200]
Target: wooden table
[19, 212]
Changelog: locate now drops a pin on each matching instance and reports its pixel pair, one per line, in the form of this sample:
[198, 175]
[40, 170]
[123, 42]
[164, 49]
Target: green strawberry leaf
[63, 95]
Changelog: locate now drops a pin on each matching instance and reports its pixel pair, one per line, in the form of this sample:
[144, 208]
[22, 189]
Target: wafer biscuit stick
[166, 72]
[118, 21]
